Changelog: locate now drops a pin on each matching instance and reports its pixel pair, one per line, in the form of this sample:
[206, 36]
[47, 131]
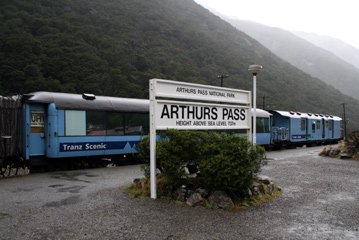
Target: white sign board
[194, 115]
[210, 108]
[198, 92]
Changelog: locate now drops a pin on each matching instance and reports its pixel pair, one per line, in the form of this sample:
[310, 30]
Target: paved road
[319, 201]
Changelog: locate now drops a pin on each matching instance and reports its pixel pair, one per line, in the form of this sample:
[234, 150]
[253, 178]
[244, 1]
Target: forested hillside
[306, 56]
[343, 50]
[114, 47]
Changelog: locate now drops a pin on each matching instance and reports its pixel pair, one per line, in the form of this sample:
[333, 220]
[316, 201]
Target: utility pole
[222, 76]
[344, 122]
[263, 102]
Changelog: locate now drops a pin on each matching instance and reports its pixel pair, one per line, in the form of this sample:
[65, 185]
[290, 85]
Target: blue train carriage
[62, 125]
[263, 124]
[332, 126]
[299, 128]
[322, 128]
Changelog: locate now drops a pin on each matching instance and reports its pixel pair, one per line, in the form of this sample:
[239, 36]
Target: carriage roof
[89, 102]
[314, 116]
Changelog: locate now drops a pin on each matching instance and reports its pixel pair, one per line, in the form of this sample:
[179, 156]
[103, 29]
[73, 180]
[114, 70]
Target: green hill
[114, 47]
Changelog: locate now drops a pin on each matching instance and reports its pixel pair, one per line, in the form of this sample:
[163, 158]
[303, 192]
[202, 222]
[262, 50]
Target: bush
[353, 142]
[174, 151]
[226, 162]
[143, 150]
[235, 165]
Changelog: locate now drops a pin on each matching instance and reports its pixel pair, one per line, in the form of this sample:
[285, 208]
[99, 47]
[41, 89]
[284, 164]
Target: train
[288, 128]
[52, 126]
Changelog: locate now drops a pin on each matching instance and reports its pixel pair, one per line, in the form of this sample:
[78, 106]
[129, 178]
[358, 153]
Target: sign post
[188, 106]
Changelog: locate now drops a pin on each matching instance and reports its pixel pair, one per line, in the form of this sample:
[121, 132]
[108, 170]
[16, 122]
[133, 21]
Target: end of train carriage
[295, 128]
[11, 133]
[263, 127]
[63, 125]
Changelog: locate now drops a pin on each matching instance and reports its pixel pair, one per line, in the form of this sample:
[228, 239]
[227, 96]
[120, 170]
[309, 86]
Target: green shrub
[226, 162]
[176, 150]
[353, 142]
[234, 166]
[143, 150]
[173, 152]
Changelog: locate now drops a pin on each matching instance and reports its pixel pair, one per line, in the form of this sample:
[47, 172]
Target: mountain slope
[306, 56]
[343, 50]
[114, 47]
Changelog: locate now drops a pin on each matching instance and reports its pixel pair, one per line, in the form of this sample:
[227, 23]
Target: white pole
[153, 180]
[254, 69]
[249, 131]
[254, 109]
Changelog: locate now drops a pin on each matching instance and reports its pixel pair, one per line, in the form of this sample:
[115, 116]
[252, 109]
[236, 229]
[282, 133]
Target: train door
[331, 129]
[35, 131]
[323, 128]
[306, 128]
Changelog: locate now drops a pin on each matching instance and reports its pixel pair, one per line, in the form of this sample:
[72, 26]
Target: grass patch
[136, 192]
[257, 200]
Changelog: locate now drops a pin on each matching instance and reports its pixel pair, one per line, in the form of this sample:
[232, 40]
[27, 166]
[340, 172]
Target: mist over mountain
[306, 56]
[114, 47]
[343, 50]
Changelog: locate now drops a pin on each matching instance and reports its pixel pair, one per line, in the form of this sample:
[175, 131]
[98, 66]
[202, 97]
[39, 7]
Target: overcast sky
[335, 18]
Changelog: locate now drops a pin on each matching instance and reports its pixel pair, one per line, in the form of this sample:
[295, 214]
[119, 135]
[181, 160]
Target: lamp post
[222, 76]
[254, 69]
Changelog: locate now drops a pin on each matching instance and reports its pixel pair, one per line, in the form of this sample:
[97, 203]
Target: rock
[250, 194]
[334, 152]
[264, 179]
[270, 188]
[345, 155]
[204, 193]
[181, 194]
[194, 199]
[257, 189]
[326, 151]
[220, 199]
[189, 192]
[139, 183]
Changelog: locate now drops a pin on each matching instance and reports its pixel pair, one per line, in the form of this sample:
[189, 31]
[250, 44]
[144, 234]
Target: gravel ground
[319, 201]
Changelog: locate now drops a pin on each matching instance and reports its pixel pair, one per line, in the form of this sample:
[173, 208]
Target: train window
[95, 123]
[75, 123]
[330, 125]
[313, 127]
[262, 125]
[318, 124]
[302, 124]
[136, 123]
[127, 124]
[37, 121]
[115, 124]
